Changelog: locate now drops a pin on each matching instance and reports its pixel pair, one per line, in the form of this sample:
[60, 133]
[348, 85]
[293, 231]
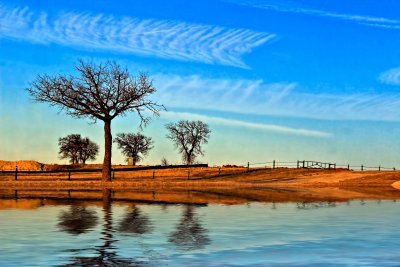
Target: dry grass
[214, 185]
[139, 175]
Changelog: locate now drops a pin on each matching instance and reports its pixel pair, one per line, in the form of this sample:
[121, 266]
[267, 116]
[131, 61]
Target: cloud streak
[146, 37]
[391, 76]
[280, 99]
[244, 124]
[292, 7]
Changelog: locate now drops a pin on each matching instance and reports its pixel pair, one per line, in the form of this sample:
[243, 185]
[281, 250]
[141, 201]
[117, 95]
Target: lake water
[356, 233]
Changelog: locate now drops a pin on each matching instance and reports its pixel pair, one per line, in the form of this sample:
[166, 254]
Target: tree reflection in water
[135, 222]
[105, 254]
[77, 220]
[189, 233]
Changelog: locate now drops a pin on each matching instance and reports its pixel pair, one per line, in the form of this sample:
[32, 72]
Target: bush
[164, 162]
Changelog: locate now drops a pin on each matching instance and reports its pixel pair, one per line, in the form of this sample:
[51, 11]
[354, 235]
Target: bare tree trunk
[106, 199]
[106, 177]
[189, 157]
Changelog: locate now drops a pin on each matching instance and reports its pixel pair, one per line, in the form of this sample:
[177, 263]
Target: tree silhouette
[69, 147]
[88, 150]
[135, 145]
[98, 92]
[77, 149]
[189, 233]
[188, 136]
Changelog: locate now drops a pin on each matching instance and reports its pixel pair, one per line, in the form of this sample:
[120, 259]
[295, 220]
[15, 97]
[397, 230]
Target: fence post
[362, 167]
[304, 163]
[248, 166]
[298, 164]
[113, 173]
[348, 167]
[16, 173]
[379, 168]
[219, 171]
[394, 168]
[273, 164]
[154, 174]
[69, 175]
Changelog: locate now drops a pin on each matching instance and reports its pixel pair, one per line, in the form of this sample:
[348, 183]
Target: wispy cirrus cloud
[148, 37]
[227, 94]
[245, 124]
[391, 76]
[294, 7]
[281, 99]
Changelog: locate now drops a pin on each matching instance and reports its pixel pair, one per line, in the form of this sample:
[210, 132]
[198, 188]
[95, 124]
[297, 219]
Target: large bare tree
[188, 137]
[99, 92]
[134, 145]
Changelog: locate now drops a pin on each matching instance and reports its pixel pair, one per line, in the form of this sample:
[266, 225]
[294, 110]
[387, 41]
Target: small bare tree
[88, 151]
[135, 145]
[98, 92]
[188, 137]
[69, 147]
[164, 162]
[77, 149]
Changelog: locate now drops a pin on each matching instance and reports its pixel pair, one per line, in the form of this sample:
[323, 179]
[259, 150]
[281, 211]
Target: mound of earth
[31, 165]
[23, 165]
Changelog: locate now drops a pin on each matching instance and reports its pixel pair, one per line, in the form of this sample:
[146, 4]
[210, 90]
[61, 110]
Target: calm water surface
[355, 233]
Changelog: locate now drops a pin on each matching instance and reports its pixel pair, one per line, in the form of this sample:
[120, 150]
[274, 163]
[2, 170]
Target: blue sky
[282, 80]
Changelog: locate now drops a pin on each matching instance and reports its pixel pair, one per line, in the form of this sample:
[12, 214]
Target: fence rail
[16, 173]
[315, 164]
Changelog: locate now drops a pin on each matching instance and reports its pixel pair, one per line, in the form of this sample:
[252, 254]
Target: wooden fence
[151, 172]
[67, 174]
[317, 165]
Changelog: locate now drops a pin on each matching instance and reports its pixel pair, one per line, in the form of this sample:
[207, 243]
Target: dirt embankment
[31, 165]
[23, 165]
